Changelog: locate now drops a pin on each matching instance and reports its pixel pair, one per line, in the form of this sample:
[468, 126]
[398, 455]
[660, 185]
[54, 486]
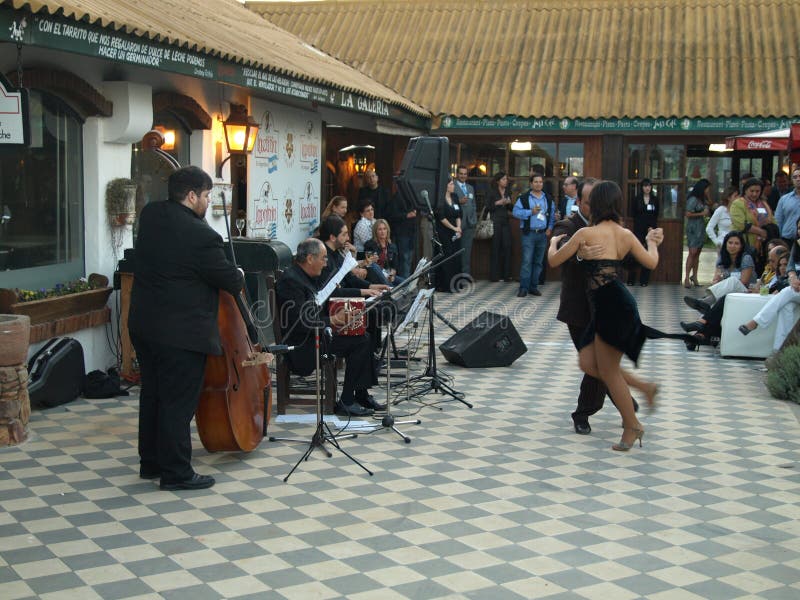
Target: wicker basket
[15, 334]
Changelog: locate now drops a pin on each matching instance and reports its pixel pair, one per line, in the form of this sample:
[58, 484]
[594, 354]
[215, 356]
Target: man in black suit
[297, 309]
[378, 195]
[180, 268]
[574, 305]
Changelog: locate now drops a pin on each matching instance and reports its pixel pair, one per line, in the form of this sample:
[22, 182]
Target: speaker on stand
[490, 340]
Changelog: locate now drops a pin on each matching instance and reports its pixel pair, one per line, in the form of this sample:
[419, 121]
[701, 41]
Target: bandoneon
[350, 305]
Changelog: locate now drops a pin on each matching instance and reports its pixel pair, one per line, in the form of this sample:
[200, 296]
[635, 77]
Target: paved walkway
[499, 501]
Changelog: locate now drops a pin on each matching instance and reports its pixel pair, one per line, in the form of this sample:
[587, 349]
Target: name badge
[761, 210]
[540, 216]
[573, 208]
[470, 196]
[650, 208]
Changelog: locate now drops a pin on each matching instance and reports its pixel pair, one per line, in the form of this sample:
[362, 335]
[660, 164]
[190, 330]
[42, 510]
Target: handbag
[484, 229]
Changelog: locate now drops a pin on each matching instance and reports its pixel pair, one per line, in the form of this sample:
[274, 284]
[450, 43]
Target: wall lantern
[241, 131]
[517, 146]
[360, 156]
[169, 137]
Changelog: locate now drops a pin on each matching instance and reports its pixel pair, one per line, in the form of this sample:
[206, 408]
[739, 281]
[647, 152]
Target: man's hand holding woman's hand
[655, 235]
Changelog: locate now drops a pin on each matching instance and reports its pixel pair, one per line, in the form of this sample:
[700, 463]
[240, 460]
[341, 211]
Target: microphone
[424, 194]
[279, 349]
[328, 333]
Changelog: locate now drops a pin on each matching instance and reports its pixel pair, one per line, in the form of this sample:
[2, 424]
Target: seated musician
[297, 310]
[334, 234]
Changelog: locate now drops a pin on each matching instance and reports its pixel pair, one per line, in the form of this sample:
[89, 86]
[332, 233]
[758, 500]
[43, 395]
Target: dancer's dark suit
[574, 311]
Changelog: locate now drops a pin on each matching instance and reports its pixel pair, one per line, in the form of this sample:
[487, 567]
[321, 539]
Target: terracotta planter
[15, 334]
[58, 307]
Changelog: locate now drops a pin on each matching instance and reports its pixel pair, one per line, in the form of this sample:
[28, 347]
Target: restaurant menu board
[284, 174]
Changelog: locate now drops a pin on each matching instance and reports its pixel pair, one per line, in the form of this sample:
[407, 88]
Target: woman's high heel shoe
[694, 281]
[624, 446]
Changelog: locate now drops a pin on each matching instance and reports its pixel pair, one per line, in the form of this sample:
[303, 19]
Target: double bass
[236, 398]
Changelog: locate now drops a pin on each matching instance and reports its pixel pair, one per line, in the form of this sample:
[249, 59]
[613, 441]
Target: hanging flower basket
[59, 302]
[121, 202]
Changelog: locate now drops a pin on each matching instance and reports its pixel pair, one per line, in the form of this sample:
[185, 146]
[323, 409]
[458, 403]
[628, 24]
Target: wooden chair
[297, 393]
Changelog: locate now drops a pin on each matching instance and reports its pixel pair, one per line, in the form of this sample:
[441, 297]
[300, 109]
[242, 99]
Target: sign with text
[60, 33]
[649, 125]
[13, 114]
[284, 174]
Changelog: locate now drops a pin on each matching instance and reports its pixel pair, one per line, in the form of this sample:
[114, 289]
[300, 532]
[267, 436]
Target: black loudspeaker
[424, 172]
[487, 341]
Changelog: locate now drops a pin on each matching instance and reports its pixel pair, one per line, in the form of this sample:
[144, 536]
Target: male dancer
[574, 306]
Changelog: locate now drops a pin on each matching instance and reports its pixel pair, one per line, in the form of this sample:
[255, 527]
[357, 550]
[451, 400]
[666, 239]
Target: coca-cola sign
[759, 145]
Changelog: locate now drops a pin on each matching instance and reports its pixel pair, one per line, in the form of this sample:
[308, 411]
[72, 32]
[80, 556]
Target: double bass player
[180, 268]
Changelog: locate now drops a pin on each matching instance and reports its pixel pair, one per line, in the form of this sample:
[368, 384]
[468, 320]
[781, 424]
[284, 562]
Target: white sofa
[739, 309]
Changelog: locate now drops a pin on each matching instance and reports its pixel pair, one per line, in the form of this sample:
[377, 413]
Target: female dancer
[615, 328]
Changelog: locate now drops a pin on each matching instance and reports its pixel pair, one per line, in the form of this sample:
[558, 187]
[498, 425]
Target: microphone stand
[435, 382]
[322, 432]
[437, 246]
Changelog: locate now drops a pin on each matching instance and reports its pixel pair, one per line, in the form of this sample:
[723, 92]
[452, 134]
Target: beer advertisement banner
[284, 174]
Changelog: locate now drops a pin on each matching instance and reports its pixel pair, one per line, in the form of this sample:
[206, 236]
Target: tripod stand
[322, 433]
[388, 422]
[435, 382]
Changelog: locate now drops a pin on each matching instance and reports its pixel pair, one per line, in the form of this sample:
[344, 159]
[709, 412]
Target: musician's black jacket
[180, 266]
[297, 310]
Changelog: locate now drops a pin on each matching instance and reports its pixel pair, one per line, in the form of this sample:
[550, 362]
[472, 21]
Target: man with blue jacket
[534, 209]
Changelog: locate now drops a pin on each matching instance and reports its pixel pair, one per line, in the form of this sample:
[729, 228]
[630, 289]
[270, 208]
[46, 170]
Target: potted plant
[121, 202]
[63, 300]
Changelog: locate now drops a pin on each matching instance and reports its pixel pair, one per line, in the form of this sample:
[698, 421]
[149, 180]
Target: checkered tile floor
[500, 501]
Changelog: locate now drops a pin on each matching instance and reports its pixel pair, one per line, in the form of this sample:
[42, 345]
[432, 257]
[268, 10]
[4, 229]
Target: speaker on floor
[490, 340]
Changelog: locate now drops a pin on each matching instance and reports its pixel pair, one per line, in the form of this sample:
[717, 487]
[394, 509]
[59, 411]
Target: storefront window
[41, 200]
[663, 165]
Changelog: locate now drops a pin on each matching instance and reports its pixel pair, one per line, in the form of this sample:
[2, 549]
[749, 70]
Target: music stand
[322, 432]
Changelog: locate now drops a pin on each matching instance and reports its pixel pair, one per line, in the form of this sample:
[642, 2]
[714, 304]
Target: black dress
[615, 316]
[447, 274]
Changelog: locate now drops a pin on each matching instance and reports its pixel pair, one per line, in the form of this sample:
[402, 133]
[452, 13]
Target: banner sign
[655, 125]
[284, 174]
[58, 33]
[13, 114]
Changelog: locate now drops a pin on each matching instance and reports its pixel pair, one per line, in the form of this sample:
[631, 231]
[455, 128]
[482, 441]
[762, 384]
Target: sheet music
[412, 316]
[347, 266]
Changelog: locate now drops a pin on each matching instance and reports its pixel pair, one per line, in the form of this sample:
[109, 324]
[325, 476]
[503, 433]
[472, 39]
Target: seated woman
[381, 254]
[734, 272]
[780, 305]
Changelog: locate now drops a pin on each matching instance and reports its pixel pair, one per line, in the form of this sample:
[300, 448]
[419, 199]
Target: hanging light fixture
[360, 156]
[241, 131]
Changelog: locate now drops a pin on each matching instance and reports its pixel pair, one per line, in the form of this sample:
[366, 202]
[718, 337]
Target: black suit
[379, 198]
[575, 312]
[179, 268]
[298, 312]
